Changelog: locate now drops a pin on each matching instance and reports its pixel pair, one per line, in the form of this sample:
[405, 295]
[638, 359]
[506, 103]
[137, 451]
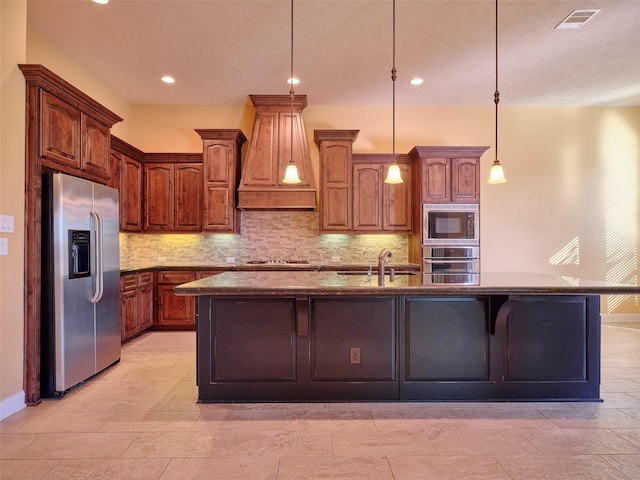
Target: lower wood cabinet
[174, 310]
[136, 303]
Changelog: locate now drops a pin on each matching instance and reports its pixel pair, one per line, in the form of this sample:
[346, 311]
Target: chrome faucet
[382, 259]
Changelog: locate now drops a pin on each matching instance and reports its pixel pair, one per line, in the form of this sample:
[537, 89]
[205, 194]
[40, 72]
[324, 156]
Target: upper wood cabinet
[448, 174]
[95, 147]
[129, 183]
[353, 195]
[70, 130]
[380, 207]
[172, 196]
[336, 204]
[221, 175]
[60, 131]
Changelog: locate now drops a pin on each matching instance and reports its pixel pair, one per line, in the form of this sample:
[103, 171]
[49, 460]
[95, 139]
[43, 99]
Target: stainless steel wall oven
[452, 264]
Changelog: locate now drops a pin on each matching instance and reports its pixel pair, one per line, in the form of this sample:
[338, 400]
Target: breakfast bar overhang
[331, 336]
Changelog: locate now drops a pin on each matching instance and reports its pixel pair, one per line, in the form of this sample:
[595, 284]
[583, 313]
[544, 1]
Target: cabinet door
[187, 215]
[95, 147]
[145, 307]
[128, 306]
[335, 200]
[436, 180]
[129, 312]
[396, 202]
[219, 186]
[130, 195]
[158, 198]
[60, 131]
[465, 180]
[174, 310]
[367, 197]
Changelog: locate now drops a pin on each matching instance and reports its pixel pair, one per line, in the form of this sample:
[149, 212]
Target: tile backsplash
[266, 235]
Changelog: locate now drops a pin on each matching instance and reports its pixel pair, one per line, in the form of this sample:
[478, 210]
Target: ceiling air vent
[576, 19]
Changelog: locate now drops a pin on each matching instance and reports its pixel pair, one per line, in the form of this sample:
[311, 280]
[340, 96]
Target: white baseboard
[620, 317]
[11, 405]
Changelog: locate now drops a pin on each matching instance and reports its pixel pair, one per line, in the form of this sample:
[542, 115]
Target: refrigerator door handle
[99, 289]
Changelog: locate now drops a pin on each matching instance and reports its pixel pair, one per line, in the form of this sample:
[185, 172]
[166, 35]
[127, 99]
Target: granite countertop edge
[330, 283]
[227, 267]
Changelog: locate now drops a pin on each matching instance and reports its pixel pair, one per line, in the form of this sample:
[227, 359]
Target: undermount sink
[360, 272]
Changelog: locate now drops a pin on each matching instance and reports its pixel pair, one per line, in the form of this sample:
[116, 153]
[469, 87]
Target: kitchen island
[338, 336]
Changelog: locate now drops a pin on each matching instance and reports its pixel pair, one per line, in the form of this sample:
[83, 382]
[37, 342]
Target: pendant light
[291, 173]
[393, 175]
[497, 174]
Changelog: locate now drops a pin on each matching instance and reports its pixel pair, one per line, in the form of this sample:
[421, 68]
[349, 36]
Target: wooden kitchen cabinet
[60, 125]
[336, 199]
[172, 197]
[353, 195]
[72, 139]
[174, 311]
[136, 300]
[95, 147]
[379, 207]
[129, 165]
[448, 174]
[221, 175]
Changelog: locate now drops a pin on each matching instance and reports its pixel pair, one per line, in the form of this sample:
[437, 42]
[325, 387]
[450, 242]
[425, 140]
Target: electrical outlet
[335, 259]
[231, 259]
[6, 223]
[162, 259]
[354, 355]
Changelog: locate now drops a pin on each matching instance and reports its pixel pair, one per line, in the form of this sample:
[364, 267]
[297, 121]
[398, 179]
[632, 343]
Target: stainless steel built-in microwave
[450, 224]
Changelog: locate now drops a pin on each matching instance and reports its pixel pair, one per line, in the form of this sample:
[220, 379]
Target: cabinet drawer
[128, 282]
[176, 277]
[145, 279]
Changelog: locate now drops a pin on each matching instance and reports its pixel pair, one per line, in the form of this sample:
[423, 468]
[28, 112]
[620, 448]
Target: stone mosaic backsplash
[266, 235]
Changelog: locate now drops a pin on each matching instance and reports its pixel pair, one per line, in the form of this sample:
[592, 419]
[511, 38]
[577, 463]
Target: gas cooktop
[278, 262]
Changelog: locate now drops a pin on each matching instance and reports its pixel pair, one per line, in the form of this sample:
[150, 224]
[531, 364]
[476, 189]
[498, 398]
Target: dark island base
[398, 348]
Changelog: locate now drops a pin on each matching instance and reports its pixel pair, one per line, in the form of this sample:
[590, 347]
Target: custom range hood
[269, 152]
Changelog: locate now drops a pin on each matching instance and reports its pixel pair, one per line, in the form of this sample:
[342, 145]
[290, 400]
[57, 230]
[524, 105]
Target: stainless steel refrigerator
[80, 334]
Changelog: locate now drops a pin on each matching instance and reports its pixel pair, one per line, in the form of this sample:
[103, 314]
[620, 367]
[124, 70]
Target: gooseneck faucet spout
[382, 259]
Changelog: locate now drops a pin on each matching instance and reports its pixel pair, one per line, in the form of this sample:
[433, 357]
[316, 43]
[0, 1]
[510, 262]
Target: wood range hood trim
[261, 186]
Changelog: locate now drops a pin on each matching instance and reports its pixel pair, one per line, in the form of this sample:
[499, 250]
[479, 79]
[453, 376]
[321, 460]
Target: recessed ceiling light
[168, 79]
[101, 2]
[294, 81]
[416, 81]
[576, 19]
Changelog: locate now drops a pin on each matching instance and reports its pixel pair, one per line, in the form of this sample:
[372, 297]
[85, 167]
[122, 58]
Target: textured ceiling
[221, 51]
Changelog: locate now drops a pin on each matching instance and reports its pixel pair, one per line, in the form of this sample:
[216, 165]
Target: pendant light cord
[292, 92]
[496, 95]
[393, 80]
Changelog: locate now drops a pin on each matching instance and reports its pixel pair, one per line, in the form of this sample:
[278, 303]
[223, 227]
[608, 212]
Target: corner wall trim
[620, 317]
[11, 405]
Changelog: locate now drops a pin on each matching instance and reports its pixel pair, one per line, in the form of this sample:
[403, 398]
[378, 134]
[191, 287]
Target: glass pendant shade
[497, 174]
[393, 175]
[291, 174]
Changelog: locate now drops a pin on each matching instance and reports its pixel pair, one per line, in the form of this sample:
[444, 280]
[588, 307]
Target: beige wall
[570, 206]
[13, 20]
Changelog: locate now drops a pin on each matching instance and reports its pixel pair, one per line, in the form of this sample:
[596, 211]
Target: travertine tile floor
[139, 420]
